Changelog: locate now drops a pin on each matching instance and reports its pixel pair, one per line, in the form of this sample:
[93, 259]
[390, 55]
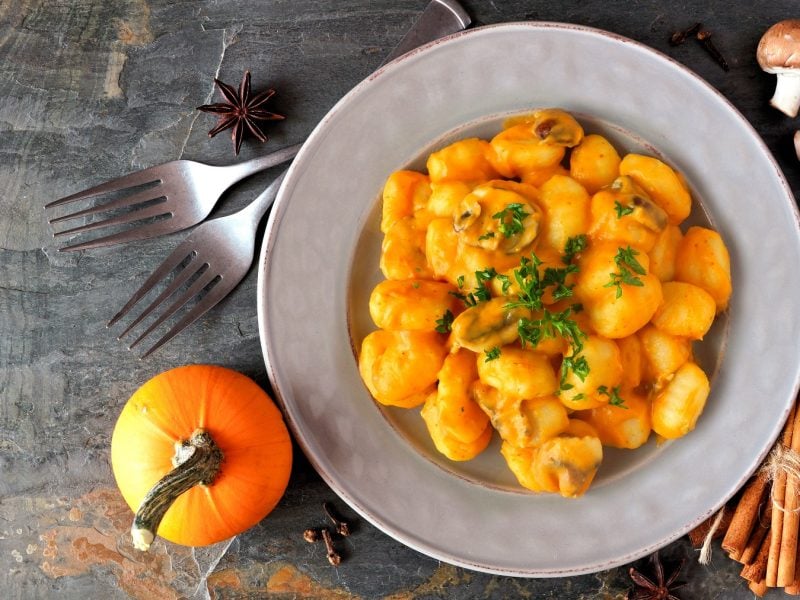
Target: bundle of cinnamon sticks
[762, 529]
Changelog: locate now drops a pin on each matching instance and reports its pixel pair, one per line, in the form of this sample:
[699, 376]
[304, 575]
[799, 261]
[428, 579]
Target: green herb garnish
[613, 396]
[574, 245]
[445, 324]
[511, 219]
[492, 354]
[578, 365]
[621, 209]
[627, 265]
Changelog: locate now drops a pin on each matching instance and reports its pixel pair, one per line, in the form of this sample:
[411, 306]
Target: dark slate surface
[90, 90]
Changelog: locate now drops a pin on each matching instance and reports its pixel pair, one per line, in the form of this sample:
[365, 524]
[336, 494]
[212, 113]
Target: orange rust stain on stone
[442, 578]
[135, 30]
[225, 578]
[93, 534]
[85, 550]
[288, 580]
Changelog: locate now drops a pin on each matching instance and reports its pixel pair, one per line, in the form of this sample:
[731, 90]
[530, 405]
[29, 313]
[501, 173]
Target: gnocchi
[542, 286]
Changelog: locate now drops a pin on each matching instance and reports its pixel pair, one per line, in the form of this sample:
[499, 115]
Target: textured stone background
[92, 89]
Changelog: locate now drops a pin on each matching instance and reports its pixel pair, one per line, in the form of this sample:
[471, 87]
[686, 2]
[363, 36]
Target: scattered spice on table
[677, 38]
[340, 527]
[241, 111]
[659, 587]
[703, 36]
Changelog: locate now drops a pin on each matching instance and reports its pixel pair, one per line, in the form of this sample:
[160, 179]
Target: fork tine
[131, 200]
[123, 219]
[181, 253]
[194, 289]
[193, 267]
[141, 232]
[209, 301]
[149, 175]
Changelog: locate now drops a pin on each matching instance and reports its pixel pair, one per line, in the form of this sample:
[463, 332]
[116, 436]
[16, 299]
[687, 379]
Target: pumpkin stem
[196, 461]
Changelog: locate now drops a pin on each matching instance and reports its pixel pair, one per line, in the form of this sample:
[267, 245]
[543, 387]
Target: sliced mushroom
[487, 325]
[645, 211]
[554, 126]
[495, 217]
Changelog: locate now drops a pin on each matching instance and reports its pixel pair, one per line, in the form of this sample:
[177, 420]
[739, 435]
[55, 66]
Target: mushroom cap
[779, 47]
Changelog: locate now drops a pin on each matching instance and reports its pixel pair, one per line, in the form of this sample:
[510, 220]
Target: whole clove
[312, 535]
[333, 557]
[342, 528]
[677, 38]
[704, 36]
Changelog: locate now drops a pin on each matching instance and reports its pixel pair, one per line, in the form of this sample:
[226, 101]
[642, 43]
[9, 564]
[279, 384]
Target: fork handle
[254, 211]
[240, 171]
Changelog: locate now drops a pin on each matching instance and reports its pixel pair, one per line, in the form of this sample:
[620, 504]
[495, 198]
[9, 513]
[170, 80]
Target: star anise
[240, 111]
[660, 589]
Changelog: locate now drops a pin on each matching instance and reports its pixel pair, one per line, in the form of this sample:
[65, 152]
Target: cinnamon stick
[745, 516]
[757, 570]
[778, 496]
[697, 536]
[757, 538]
[758, 588]
[787, 558]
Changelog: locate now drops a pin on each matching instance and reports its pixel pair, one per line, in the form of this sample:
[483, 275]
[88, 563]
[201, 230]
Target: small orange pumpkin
[200, 453]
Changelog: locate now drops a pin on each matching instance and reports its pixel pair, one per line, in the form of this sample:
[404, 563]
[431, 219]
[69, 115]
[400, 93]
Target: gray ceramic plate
[320, 261]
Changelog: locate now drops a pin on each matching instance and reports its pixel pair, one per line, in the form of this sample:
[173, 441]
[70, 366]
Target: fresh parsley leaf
[481, 293]
[621, 209]
[486, 236]
[550, 325]
[625, 256]
[512, 219]
[556, 278]
[445, 324]
[627, 265]
[505, 280]
[613, 396]
[492, 354]
[574, 245]
[578, 365]
[485, 276]
[529, 283]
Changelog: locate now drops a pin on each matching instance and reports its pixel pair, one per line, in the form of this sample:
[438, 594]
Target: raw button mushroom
[779, 53]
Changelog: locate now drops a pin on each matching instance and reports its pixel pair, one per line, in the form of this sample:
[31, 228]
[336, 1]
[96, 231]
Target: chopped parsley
[613, 396]
[486, 236]
[628, 267]
[578, 365]
[481, 293]
[530, 285]
[550, 325]
[621, 209]
[492, 354]
[445, 324]
[574, 245]
[505, 280]
[512, 219]
[557, 279]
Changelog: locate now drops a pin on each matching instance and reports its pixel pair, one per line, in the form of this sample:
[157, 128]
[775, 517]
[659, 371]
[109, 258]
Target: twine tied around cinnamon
[781, 460]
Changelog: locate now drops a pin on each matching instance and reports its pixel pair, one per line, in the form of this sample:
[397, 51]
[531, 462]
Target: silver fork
[182, 194]
[219, 254]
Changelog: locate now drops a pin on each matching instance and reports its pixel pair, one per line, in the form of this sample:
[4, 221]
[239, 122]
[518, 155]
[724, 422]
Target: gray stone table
[93, 89]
